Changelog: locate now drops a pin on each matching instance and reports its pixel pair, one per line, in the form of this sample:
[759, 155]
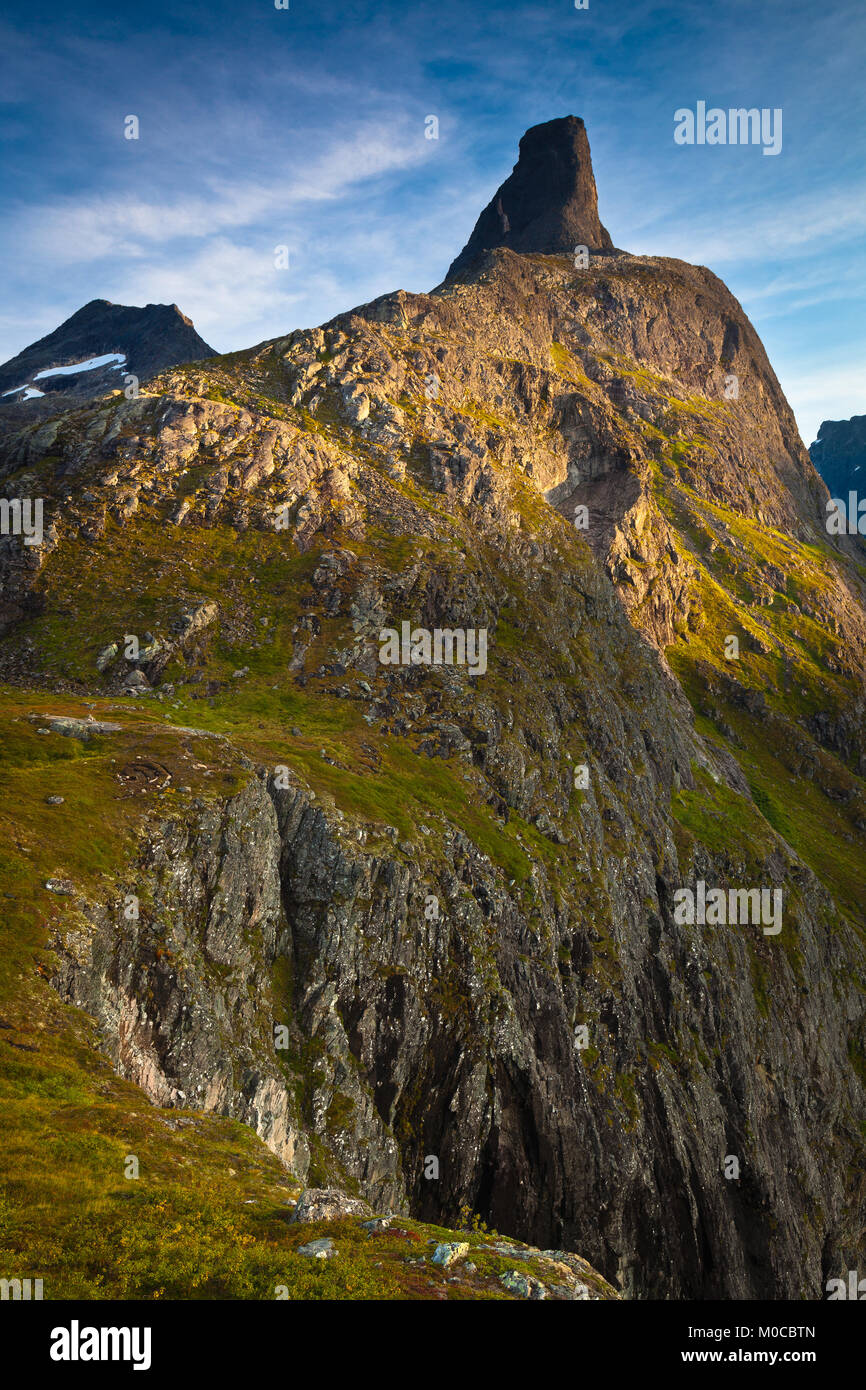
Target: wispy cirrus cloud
[794, 228]
[97, 226]
[831, 391]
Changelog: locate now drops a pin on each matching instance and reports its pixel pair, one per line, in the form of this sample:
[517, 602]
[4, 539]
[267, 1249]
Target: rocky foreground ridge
[415, 927]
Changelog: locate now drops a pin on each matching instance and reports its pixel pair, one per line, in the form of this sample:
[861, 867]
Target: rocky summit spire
[548, 203]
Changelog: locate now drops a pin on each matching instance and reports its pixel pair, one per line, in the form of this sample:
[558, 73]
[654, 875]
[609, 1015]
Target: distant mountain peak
[147, 340]
[839, 454]
[548, 203]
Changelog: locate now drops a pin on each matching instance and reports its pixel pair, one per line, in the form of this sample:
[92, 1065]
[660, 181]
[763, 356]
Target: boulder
[328, 1204]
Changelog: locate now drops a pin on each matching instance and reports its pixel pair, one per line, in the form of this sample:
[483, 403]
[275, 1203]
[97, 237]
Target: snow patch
[115, 359]
[29, 392]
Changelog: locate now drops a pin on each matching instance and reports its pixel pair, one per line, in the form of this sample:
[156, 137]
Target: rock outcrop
[548, 203]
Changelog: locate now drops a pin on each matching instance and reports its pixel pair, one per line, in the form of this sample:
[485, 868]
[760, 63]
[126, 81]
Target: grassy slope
[817, 813]
[207, 1216]
[786, 656]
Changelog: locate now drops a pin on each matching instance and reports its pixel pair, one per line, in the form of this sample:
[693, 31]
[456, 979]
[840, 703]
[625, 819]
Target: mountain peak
[147, 339]
[548, 203]
[839, 454]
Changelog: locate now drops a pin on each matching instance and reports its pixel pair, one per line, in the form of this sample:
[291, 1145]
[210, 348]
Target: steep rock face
[839, 454]
[454, 1036]
[466, 1031]
[549, 201]
[179, 990]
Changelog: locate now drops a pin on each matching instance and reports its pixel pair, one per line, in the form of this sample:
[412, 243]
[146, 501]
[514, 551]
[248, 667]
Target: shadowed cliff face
[151, 339]
[457, 893]
[147, 340]
[547, 204]
[839, 454]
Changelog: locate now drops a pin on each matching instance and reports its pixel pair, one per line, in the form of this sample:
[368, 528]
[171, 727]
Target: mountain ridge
[150, 339]
[457, 894]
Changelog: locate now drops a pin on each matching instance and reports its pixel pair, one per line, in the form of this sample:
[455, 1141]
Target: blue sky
[306, 128]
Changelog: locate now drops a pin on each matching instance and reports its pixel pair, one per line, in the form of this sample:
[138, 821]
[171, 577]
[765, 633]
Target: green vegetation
[723, 821]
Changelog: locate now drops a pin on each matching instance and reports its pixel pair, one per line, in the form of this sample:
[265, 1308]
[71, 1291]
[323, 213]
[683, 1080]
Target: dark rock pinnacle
[548, 203]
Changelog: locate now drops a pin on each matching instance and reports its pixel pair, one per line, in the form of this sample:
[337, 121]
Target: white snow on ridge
[116, 359]
[29, 392]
